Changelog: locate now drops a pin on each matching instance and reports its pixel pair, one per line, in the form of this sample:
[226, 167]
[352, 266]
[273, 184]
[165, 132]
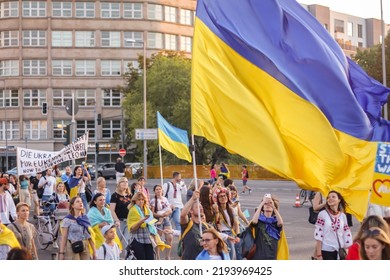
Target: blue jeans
[175, 216]
[84, 200]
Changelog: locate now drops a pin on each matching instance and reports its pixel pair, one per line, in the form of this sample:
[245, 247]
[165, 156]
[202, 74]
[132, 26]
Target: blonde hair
[20, 205]
[99, 181]
[135, 198]
[121, 180]
[221, 245]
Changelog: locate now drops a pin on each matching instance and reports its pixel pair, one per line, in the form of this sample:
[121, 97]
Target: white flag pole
[196, 180]
[161, 169]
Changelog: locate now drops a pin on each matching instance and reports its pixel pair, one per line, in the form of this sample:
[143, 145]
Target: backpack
[247, 174]
[169, 186]
[180, 244]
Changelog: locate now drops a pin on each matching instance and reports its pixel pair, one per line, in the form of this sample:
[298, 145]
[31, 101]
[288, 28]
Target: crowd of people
[206, 219]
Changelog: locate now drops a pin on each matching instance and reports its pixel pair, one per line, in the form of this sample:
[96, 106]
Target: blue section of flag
[174, 133]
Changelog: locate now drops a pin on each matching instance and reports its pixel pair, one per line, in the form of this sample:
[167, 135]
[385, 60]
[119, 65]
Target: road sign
[146, 134]
[122, 152]
[68, 107]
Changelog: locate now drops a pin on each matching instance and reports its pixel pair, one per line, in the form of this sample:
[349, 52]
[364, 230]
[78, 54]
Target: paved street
[298, 230]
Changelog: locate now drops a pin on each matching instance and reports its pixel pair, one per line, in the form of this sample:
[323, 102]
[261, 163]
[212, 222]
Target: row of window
[339, 26]
[87, 39]
[107, 11]
[35, 97]
[66, 67]
[37, 129]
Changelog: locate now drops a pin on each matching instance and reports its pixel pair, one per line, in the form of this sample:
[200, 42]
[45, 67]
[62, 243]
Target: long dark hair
[205, 201]
[96, 196]
[342, 205]
[228, 208]
[155, 198]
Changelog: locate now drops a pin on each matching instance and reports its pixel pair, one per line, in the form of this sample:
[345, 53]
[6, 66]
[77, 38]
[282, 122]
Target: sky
[359, 8]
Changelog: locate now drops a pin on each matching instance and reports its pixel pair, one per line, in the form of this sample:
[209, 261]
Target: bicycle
[306, 196]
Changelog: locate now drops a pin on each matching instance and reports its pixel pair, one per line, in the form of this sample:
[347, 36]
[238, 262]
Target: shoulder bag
[342, 252]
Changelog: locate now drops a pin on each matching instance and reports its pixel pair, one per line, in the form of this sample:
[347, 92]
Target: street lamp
[145, 167]
[6, 127]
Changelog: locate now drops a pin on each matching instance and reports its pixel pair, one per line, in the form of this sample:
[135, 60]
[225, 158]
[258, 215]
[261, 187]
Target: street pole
[73, 127]
[145, 168]
[6, 127]
[385, 113]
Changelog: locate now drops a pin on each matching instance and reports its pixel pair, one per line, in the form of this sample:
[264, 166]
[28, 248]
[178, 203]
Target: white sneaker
[55, 245]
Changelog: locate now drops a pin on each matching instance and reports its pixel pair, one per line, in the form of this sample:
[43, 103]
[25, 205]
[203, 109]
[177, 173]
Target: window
[85, 38]
[9, 68]
[111, 68]
[62, 9]
[34, 97]
[155, 12]
[131, 63]
[11, 128]
[85, 10]
[59, 128]
[34, 38]
[111, 39]
[34, 67]
[86, 97]
[132, 10]
[83, 126]
[9, 9]
[170, 14]
[170, 42]
[35, 129]
[9, 98]
[186, 17]
[133, 39]
[85, 67]
[185, 43]
[111, 128]
[110, 10]
[61, 38]
[61, 67]
[34, 8]
[60, 96]
[338, 25]
[350, 29]
[360, 44]
[360, 30]
[9, 38]
[111, 97]
[155, 40]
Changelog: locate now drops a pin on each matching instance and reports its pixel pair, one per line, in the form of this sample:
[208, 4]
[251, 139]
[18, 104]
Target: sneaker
[250, 190]
[55, 245]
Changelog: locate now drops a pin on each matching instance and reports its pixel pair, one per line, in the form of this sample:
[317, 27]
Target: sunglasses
[206, 240]
[370, 233]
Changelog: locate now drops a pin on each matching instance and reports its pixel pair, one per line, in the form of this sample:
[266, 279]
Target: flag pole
[161, 169]
[196, 180]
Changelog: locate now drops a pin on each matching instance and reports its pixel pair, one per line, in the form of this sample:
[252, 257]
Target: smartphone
[267, 195]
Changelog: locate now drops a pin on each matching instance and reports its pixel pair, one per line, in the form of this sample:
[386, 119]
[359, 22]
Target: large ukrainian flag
[173, 139]
[271, 84]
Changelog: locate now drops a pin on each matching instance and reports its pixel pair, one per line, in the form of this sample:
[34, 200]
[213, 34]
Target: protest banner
[32, 161]
[380, 192]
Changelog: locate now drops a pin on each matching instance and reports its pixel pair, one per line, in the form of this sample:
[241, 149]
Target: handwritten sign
[32, 161]
[380, 192]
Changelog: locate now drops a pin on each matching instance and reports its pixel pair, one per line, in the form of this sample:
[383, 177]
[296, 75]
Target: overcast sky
[360, 8]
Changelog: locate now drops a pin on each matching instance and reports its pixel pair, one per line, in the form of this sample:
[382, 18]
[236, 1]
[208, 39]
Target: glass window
[111, 97]
[110, 10]
[132, 10]
[59, 126]
[9, 98]
[35, 129]
[62, 9]
[34, 97]
[83, 126]
[62, 67]
[186, 17]
[170, 14]
[185, 43]
[34, 9]
[155, 12]
[9, 68]
[111, 68]
[34, 38]
[34, 67]
[9, 9]
[155, 40]
[86, 97]
[61, 38]
[339, 25]
[85, 38]
[131, 63]
[111, 39]
[170, 42]
[111, 128]
[360, 30]
[350, 29]
[9, 38]
[9, 128]
[85, 9]
[133, 39]
[60, 96]
[85, 67]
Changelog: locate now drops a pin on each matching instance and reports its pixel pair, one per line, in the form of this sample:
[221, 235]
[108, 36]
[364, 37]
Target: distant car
[134, 169]
[107, 170]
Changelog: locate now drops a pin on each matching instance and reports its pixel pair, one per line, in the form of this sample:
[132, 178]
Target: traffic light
[99, 119]
[44, 108]
[97, 148]
[67, 134]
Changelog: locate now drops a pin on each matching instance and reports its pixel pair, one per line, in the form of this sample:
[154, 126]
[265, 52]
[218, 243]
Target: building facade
[51, 50]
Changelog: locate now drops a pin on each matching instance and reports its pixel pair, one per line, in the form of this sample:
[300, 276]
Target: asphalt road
[298, 230]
